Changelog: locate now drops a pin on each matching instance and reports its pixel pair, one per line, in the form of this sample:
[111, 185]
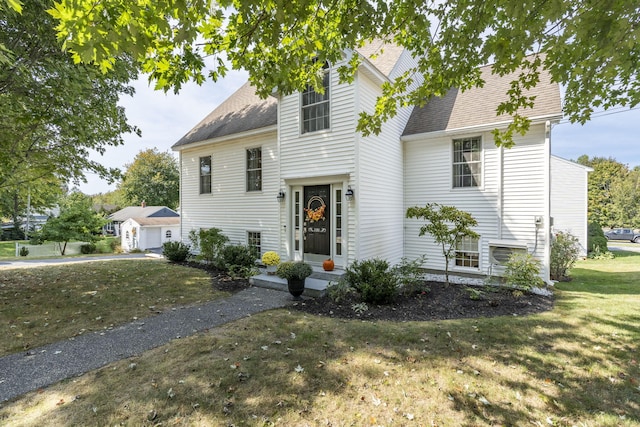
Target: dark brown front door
[317, 225]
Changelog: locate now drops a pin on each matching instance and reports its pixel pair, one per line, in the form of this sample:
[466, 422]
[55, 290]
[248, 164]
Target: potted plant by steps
[295, 273]
[271, 259]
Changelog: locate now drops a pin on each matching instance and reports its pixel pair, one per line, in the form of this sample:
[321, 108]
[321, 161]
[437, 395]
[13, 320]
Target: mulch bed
[453, 301]
[441, 302]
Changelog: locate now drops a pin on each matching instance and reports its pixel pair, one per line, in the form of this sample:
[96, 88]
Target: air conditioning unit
[501, 250]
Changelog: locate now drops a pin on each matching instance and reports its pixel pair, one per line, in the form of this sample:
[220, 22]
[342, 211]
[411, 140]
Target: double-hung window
[254, 240]
[467, 162]
[254, 169]
[315, 106]
[467, 253]
[205, 175]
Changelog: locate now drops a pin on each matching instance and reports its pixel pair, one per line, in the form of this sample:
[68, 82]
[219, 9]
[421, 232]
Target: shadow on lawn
[566, 372]
[571, 366]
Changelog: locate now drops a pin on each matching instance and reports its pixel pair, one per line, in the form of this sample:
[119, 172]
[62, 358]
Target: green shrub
[596, 239]
[24, 251]
[340, 291]
[373, 280]
[240, 258]
[176, 251]
[597, 254]
[598, 244]
[88, 248]
[210, 243]
[564, 253]
[410, 276]
[522, 271]
[241, 271]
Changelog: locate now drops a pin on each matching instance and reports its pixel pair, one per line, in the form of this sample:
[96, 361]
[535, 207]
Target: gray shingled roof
[477, 106]
[383, 56]
[157, 221]
[142, 212]
[244, 110]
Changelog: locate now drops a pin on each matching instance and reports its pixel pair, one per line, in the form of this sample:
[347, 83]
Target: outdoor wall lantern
[280, 196]
[349, 194]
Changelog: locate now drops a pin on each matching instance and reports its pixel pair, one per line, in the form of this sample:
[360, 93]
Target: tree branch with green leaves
[589, 47]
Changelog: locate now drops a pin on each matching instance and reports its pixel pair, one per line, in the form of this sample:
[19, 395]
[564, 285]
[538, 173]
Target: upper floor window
[467, 253]
[315, 106]
[254, 169]
[467, 162]
[205, 175]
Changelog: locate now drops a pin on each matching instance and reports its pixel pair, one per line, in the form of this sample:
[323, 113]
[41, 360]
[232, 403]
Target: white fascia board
[241, 135]
[478, 128]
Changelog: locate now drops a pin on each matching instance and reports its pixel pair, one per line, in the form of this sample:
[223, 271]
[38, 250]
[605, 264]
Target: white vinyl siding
[505, 207]
[569, 199]
[231, 208]
[380, 191]
[315, 154]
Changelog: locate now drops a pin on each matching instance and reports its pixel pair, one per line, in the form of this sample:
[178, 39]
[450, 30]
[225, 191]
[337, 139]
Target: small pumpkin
[328, 265]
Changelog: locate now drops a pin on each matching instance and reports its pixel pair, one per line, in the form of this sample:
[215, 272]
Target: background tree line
[614, 192]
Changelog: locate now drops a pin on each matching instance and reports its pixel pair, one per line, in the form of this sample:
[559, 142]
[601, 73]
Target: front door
[317, 221]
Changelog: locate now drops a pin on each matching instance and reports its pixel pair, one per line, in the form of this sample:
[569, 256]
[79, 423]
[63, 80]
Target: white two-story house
[290, 173]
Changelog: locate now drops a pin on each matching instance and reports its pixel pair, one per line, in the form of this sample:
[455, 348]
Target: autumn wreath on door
[315, 209]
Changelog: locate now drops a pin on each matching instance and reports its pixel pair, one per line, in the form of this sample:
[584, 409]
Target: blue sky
[165, 118]
[614, 133]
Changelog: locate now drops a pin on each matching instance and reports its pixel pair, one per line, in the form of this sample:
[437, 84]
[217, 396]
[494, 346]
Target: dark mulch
[441, 302]
[219, 279]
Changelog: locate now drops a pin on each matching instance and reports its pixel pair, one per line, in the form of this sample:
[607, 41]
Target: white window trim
[455, 267]
[482, 163]
[248, 239]
[200, 192]
[329, 101]
[246, 170]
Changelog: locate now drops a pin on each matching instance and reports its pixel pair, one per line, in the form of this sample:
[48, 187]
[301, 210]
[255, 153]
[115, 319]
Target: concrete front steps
[314, 286]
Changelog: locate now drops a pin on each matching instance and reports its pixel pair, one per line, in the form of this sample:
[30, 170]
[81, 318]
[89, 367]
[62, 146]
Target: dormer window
[315, 106]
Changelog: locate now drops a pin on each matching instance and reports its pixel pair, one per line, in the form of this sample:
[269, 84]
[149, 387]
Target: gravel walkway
[41, 367]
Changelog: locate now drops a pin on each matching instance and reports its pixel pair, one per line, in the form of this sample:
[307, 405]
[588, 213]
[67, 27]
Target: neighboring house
[143, 211]
[290, 174]
[569, 197]
[148, 233]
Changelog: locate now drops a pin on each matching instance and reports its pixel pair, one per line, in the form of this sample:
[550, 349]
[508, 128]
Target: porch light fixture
[280, 196]
[349, 194]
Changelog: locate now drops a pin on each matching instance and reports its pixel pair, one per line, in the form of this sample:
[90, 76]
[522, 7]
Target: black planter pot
[296, 287]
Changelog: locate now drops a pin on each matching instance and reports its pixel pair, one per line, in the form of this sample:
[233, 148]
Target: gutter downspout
[547, 202]
[500, 191]
[180, 195]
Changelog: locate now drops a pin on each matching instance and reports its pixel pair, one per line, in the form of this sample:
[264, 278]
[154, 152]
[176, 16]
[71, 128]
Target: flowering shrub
[270, 258]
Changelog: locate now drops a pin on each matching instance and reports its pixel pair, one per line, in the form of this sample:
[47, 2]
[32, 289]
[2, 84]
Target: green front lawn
[7, 249]
[576, 365]
[46, 304]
